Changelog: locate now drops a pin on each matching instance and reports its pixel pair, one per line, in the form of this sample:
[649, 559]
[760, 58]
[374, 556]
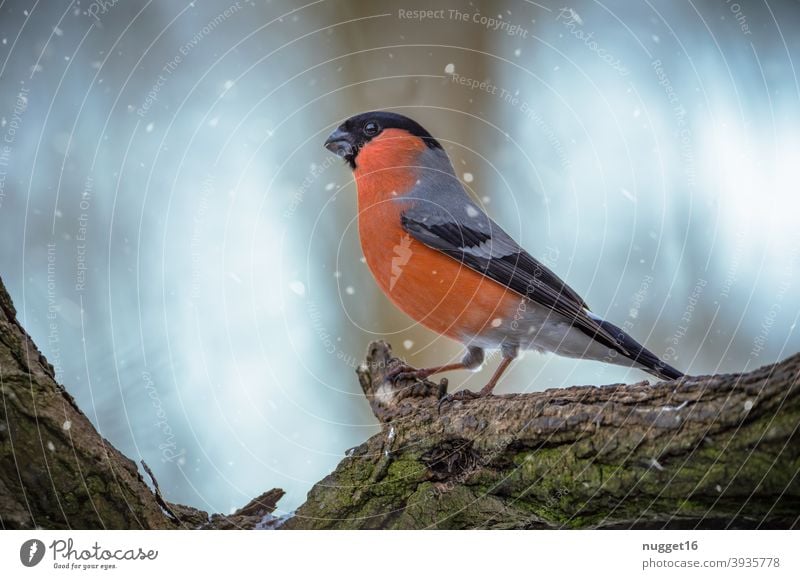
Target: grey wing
[467, 234]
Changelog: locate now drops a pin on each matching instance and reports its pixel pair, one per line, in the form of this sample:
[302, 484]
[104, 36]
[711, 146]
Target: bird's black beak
[341, 143]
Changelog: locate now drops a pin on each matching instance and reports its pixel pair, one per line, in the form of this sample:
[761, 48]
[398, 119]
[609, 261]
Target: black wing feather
[502, 260]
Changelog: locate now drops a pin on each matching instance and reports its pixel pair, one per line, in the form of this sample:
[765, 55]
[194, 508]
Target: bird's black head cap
[348, 139]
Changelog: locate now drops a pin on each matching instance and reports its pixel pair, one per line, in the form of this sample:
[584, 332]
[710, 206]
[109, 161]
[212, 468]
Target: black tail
[640, 354]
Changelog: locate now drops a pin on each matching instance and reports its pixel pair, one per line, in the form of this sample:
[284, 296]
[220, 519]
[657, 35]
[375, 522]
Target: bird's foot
[461, 396]
[406, 373]
[411, 382]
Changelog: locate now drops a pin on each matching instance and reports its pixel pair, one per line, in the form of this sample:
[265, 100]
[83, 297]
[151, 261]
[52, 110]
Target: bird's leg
[404, 372]
[487, 390]
[509, 353]
[471, 360]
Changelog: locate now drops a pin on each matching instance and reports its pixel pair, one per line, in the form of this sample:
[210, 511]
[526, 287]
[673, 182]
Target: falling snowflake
[468, 177]
[298, 287]
[450, 68]
[408, 344]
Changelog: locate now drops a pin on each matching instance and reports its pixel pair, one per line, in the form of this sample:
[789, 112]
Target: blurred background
[184, 251]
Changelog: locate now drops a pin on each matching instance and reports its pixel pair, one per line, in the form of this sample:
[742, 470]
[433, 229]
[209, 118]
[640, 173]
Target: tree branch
[708, 452]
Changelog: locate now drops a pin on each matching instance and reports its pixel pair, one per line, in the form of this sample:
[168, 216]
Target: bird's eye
[371, 129]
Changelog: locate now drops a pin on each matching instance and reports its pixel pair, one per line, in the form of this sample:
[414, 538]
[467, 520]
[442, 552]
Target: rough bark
[708, 452]
[57, 472]
[714, 451]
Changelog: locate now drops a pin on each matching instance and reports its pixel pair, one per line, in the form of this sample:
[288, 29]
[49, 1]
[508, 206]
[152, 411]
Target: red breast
[429, 286]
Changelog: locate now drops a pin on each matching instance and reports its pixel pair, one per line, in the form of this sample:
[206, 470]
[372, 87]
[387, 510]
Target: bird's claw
[407, 382]
[405, 373]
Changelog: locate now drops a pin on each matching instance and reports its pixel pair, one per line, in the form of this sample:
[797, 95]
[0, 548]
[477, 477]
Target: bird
[445, 263]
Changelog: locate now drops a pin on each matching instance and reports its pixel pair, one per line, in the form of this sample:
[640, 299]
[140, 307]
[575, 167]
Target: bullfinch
[440, 259]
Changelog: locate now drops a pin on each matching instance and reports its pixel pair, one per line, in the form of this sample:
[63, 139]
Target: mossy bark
[706, 452]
